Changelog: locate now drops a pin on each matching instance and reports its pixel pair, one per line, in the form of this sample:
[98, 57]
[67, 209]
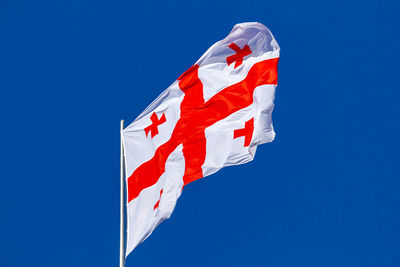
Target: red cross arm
[158, 202]
[194, 151]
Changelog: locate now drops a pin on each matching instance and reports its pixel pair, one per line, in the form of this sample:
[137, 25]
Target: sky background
[325, 193]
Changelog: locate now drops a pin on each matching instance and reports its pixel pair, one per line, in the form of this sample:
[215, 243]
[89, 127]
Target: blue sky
[324, 193]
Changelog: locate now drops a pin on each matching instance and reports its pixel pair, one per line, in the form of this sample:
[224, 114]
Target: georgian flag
[214, 115]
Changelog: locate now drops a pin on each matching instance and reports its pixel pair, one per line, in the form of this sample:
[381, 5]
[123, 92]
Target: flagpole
[122, 203]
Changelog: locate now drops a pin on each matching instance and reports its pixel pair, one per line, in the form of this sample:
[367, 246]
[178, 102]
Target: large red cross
[196, 116]
[247, 132]
[240, 54]
[154, 126]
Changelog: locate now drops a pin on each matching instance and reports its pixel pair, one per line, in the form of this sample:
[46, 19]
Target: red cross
[196, 116]
[240, 54]
[154, 126]
[247, 132]
[158, 202]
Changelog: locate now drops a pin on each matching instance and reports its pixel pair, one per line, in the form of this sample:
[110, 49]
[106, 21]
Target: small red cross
[154, 126]
[158, 202]
[247, 132]
[240, 54]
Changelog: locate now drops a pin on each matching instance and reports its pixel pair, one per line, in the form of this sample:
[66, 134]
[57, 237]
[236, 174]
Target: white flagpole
[122, 204]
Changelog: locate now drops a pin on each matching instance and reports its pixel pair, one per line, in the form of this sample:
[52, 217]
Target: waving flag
[214, 115]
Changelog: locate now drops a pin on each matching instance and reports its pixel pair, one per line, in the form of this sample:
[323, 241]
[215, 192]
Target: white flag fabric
[214, 115]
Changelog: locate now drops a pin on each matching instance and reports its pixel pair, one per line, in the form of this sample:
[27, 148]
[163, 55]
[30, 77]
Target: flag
[214, 115]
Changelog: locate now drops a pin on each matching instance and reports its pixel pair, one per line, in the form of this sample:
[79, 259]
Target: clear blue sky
[324, 193]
